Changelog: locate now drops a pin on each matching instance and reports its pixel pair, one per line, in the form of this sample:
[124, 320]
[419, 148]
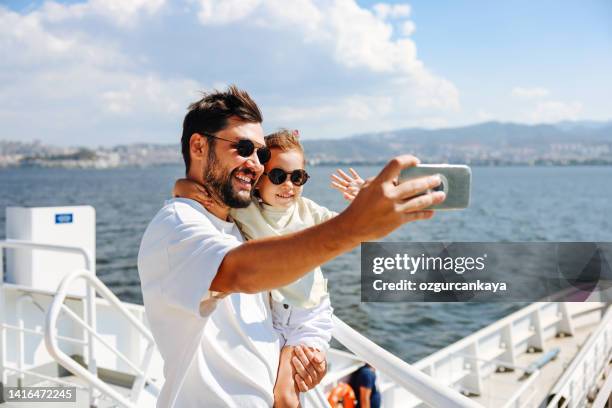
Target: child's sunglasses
[246, 147]
[298, 177]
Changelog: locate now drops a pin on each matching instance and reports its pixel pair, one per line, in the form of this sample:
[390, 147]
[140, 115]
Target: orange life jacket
[342, 392]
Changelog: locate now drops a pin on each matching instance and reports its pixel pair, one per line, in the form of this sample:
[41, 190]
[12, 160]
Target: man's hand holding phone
[391, 203]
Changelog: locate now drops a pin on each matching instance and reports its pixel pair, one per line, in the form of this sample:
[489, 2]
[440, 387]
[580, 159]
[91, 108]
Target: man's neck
[218, 210]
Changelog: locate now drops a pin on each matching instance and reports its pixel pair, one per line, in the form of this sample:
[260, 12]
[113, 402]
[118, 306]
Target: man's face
[228, 176]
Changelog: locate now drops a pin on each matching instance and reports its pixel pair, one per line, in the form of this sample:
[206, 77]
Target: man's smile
[245, 179]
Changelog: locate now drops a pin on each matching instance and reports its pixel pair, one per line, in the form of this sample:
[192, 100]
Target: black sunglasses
[246, 147]
[298, 177]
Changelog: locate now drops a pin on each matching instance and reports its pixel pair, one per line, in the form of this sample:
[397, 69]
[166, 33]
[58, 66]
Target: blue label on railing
[63, 218]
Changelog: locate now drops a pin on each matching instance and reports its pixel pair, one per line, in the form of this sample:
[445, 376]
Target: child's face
[281, 195]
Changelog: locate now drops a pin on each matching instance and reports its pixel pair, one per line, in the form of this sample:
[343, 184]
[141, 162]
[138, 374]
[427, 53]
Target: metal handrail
[587, 354]
[57, 306]
[19, 244]
[412, 379]
[90, 296]
[517, 400]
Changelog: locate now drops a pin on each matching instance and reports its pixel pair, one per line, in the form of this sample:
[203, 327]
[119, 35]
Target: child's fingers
[300, 383]
[354, 173]
[317, 359]
[202, 189]
[300, 352]
[345, 176]
[338, 186]
[206, 201]
[340, 181]
[302, 372]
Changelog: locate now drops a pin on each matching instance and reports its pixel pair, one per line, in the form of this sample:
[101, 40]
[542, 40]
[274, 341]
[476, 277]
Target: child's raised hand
[349, 186]
[190, 189]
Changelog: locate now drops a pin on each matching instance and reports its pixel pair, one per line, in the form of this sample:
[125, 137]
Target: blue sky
[104, 72]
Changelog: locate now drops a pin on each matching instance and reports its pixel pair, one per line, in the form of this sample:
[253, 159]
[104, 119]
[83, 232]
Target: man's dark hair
[210, 115]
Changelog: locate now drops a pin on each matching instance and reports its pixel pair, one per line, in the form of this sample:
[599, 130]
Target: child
[301, 311]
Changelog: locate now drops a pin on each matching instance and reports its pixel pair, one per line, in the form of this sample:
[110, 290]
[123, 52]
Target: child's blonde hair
[285, 139]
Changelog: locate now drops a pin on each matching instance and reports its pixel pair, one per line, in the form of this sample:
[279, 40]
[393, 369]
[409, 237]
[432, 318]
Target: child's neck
[278, 207]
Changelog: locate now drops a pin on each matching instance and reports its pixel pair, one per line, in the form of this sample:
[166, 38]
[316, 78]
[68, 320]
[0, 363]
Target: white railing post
[567, 325]
[4, 376]
[21, 337]
[91, 345]
[537, 341]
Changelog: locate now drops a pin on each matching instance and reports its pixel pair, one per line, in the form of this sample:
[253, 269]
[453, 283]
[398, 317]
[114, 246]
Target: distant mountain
[485, 143]
[571, 125]
[489, 143]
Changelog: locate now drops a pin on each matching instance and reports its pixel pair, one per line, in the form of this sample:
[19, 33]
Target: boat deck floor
[500, 386]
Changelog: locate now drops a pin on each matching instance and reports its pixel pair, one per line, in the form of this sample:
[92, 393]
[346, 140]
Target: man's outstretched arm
[381, 206]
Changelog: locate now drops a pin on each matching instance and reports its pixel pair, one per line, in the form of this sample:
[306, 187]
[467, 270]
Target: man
[363, 383]
[206, 292]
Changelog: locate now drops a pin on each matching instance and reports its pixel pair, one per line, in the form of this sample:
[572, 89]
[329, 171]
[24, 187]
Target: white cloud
[483, 115]
[536, 110]
[123, 71]
[148, 93]
[407, 28]
[555, 111]
[222, 12]
[385, 10]
[356, 108]
[69, 84]
[353, 36]
[530, 93]
[120, 12]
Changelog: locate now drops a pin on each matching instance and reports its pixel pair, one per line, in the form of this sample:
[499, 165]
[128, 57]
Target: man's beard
[218, 183]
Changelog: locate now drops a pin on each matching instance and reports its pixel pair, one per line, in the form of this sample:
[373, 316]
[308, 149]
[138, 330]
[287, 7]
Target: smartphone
[456, 183]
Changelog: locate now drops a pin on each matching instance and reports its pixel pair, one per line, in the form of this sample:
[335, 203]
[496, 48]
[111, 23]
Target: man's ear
[198, 146]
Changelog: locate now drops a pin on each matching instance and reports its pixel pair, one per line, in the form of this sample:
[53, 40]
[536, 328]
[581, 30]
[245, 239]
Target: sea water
[508, 204]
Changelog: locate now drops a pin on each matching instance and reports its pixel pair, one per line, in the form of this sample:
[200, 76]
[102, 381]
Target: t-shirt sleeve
[367, 378]
[195, 252]
[319, 213]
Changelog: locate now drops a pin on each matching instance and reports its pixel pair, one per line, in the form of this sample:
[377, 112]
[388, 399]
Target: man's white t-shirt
[218, 351]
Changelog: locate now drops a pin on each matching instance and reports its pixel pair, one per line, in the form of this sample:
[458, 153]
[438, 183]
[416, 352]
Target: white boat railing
[412, 379]
[88, 324]
[578, 380]
[521, 398]
[57, 307]
[21, 330]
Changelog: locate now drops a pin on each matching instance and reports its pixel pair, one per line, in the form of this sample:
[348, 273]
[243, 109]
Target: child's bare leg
[286, 393]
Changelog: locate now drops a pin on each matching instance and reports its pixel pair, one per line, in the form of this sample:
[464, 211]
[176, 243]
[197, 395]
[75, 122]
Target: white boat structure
[61, 326]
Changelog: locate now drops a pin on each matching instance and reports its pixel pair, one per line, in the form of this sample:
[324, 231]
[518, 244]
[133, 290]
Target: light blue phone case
[456, 183]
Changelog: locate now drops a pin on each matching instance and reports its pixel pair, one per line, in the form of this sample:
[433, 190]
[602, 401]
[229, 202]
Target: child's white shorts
[297, 325]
